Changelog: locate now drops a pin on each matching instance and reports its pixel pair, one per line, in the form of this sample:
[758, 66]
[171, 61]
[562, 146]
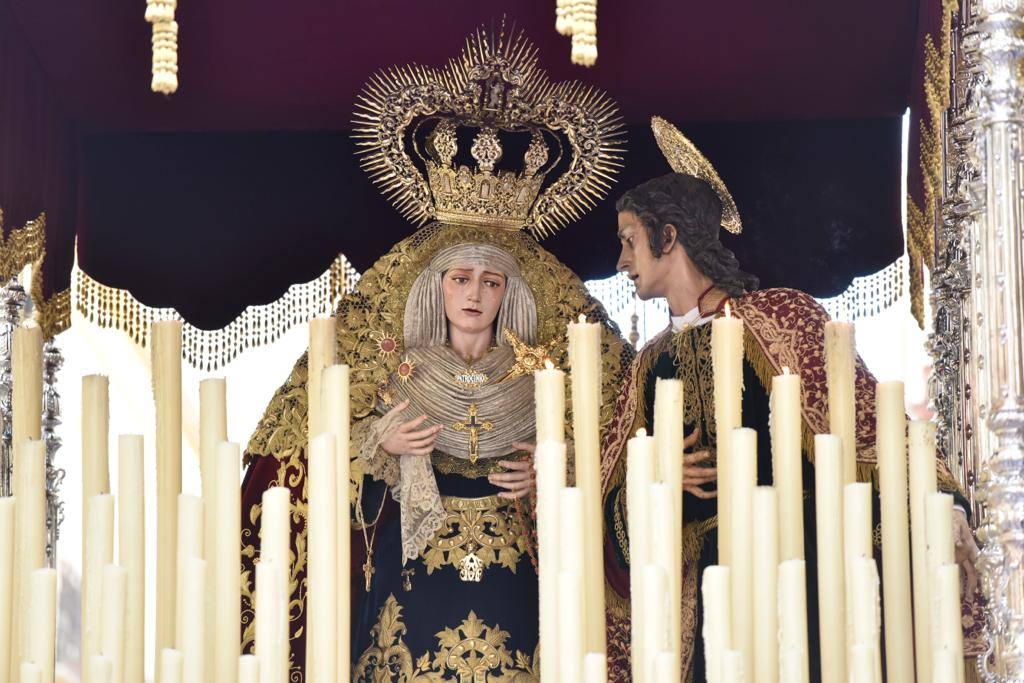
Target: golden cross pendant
[472, 426]
[368, 569]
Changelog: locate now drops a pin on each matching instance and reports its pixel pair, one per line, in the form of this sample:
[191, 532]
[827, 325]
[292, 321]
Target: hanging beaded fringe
[160, 13]
[578, 19]
[211, 349]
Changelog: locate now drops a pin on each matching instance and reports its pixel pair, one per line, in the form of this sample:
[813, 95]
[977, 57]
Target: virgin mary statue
[442, 336]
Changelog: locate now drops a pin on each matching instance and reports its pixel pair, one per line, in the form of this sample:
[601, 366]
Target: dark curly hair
[691, 205]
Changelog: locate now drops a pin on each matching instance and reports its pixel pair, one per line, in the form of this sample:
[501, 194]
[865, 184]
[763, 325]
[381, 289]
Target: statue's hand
[695, 476]
[520, 478]
[404, 439]
[966, 550]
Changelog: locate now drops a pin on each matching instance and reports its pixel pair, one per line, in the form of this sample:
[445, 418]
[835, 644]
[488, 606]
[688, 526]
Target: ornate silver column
[996, 245]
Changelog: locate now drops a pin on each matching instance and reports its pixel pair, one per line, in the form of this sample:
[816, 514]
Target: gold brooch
[529, 359]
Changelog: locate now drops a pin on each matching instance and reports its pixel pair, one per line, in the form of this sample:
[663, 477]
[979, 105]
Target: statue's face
[637, 260]
[472, 297]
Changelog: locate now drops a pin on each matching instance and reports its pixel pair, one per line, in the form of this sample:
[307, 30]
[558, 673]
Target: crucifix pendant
[368, 569]
[473, 426]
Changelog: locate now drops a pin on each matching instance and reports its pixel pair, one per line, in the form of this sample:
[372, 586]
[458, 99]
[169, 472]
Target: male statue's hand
[695, 476]
[520, 479]
[966, 550]
[404, 439]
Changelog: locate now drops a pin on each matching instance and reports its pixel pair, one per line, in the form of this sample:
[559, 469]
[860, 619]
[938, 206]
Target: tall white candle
[585, 364]
[337, 415]
[322, 562]
[938, 551]
[570, 626]
[793, 662]
[787, 463]
[42, 631]
[98, 554]
[7, 584]
[668, 441]
[892, 475]
[322, 352]
[743, 480]
[549, 399]
[213, 429]
[866, 614]
[639, 476]
[828, 474]
[170, 665]
[570, 517]
[950, 635]
[95, 454]
[727, 363]
[29, 533]
[30, 673]
[101, 669]
[248, 669]
[656, 615]
[166, 370]
[131, 550]
[766, 585]
[717, 633]
[26, 389]
[549, 462]
[194, 608]
[862, 663]
[665, 668]
[858, 539]
[922, 481]
[190, 546]
[840, 367]
[665, 555]
[946, 666]
[112, 621]
[275, 545]
[595, 668]
[733, 667]
[271, 623]
[226, 592]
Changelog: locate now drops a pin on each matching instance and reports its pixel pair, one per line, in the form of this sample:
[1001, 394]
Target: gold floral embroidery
[470, 652]
[478, 531]
[448, 464]
[691, 350]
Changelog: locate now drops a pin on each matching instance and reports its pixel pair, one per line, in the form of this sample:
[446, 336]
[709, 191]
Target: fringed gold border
[921, 219]
[24, 246]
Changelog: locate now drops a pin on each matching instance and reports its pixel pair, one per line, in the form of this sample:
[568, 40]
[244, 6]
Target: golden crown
[572, 135]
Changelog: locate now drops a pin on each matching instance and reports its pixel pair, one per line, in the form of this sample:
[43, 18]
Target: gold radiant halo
[684, 157]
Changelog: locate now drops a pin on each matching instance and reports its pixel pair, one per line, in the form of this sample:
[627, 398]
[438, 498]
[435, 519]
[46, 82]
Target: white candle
[866, 610]
[112, 621]
[858, 540]
[743, 480]
[766, 585]
[665, 555]
[322, 352]
[922, 482]
[248, 669]
[840, 366]
[793, 663]
[131, 550]
[950, 635]
[170, 665]
[271, 623]
[787, 463]
[95, 454]
[665, 668]
[190, 546]
[31, 673]
[668, 441]
[98, 554]
[337, 415]
[733, 669]
[938, 551]
[7, 597]
[549, 461]
[946, 666]
[570, 626]
[639, 476]
[322, 561]
[717, 633]
[656, 615]
[29, 534]
[213, 429]
[549, 399]
[727, 363]
[570, 517]
[595, 668]
[26, 389]
[275, 545]
[42, 630]
[585, 363]
[225, 595]
[101, 669]
[166, 369]
[892, 475]
[862, 663]
[193, 652]
[828, 475]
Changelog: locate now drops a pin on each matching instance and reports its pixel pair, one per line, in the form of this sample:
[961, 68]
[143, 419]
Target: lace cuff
[367, 435]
